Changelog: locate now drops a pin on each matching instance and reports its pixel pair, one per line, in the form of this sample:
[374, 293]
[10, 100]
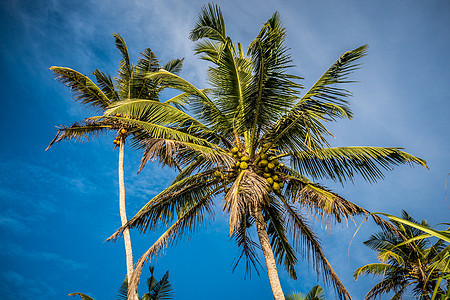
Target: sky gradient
[58, 207]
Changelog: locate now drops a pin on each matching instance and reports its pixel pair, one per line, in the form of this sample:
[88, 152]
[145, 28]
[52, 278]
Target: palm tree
[129, 83]
[408, 262]
[157, 290]
[258, 144]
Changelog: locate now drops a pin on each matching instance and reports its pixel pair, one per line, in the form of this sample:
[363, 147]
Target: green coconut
[271, 165]
[245, 158]
[243, 165]
[263, 163]
[269, 180]
[263, 156]
[276, 186]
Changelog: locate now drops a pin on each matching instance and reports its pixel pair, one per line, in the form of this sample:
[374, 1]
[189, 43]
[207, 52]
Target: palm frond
[376, 269]
[316, 293]
[201, 106]
[247, 247]
[272, 91]
[82, 296]
[123, 290]
[185, 223]
[106, 84]
[305, 239]
[162, 289]
[173, 201]
[210, 24]
[276, 229]
[182, 135]
[125, 70]
[342, 163]
[81, 132]
[323, 101]
[82, 88]
[174, 66]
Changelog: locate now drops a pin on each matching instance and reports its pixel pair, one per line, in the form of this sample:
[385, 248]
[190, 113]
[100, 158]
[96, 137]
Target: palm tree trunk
[123, 213]
[268, 255]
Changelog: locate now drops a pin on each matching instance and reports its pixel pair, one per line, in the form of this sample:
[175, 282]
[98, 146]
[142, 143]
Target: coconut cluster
[265, 166]
[269, 168]
[121, 133]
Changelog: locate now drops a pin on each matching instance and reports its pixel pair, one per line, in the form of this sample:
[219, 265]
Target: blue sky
[58, 207]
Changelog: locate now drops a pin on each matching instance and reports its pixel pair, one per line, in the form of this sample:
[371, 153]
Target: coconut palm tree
[253, 140]
[157, 290]
[129, 83]
[409, 262]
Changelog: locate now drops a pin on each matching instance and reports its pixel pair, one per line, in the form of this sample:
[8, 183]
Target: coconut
[276, 186]
[123, 131]
[267, 187]
[281, 165]
[271, 165]
[244, 165]
[266, 175]
[217, 173]
[263, 163]
[245, 158]
[269, 180]
[275, 177]
[275, 162]
[234, 150]
[238, 164]
[263, 156]
[281, 183]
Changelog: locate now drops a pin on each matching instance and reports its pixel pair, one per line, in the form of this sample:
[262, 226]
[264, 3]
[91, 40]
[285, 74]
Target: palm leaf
[81, 132]
[82, 296]
[162, 289]
[276, 229]
[210, 24]
[247, 247]
[83, 89]
[106, 84]
[323, 101]
[444, 235]
[305, 239]
[343, 162]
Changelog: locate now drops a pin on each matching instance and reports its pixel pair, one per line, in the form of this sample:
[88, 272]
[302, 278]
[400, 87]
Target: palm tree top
[256, 142]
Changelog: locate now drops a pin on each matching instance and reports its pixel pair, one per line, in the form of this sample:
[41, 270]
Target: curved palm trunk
[123, 213]
[268, 255]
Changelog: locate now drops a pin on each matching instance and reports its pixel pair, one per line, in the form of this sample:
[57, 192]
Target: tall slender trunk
[268, 255]
[123, 213]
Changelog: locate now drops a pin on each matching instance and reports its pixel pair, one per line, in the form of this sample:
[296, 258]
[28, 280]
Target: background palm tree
[129, 83]
[262, 146]
[157, 290]
[409, 261]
